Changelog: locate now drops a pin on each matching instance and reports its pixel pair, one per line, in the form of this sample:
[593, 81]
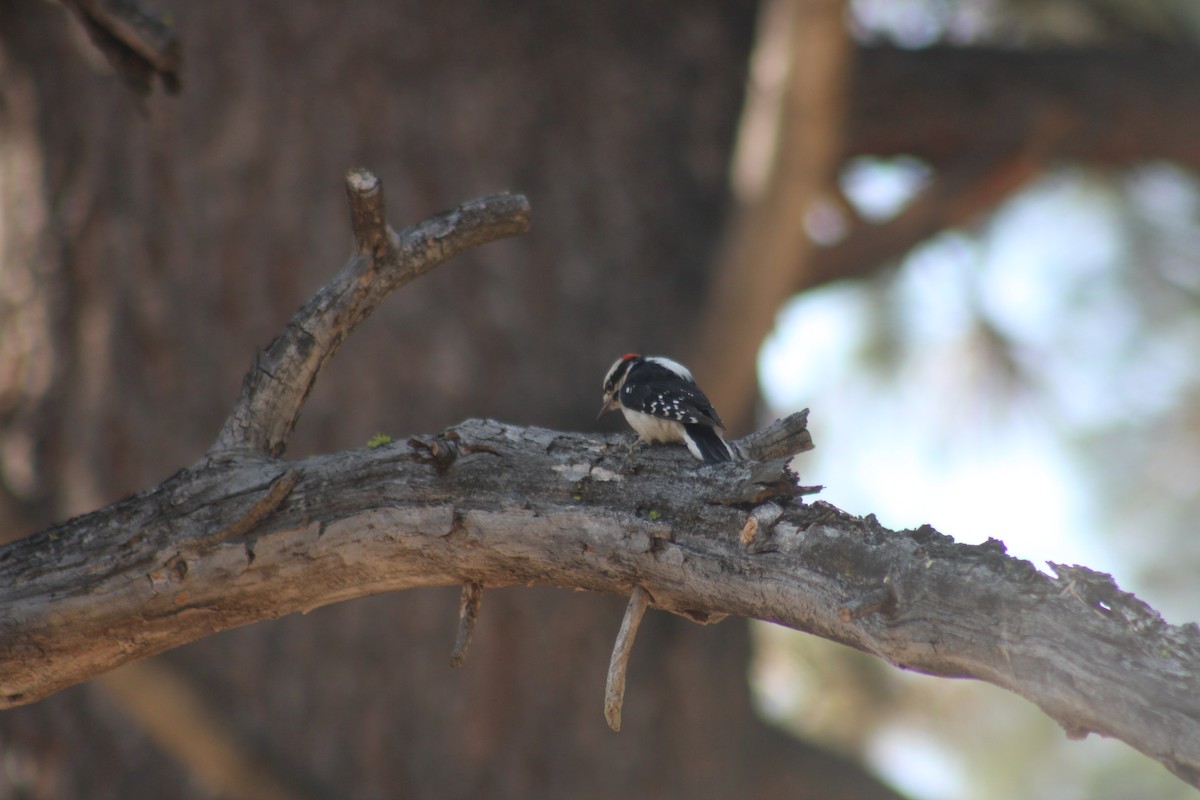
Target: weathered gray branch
[618, 665]
[283, 374]
[242, 536]
[512, 506]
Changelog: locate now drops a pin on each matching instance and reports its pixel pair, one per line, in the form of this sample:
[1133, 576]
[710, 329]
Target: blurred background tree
[1017, 359]
[987, 204]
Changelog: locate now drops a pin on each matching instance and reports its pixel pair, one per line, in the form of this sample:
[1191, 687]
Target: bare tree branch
[283, 374]
[614, 689]
[962, 195]
[241, 537]
[990, 120]
[1108, 107]
[515, 506]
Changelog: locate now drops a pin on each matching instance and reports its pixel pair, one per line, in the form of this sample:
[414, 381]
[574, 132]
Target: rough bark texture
[470, 506]
[499, 505]
[241, 537]
[275, 389]
[153, 251]
[148, 254]
[148, 249]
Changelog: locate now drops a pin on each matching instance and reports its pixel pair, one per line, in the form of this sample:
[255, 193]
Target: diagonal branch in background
[138, 43]
[934, 103]
[987, 119]
[241, 537]
[959, 195]
[179, 716]
[789, 140]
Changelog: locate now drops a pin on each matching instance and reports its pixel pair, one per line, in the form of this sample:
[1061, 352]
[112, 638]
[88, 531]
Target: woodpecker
[661, 401]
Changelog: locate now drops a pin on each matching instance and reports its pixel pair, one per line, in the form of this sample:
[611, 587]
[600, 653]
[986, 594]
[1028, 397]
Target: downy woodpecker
[661, 401]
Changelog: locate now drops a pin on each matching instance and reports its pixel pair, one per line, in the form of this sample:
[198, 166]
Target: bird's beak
[609, 405]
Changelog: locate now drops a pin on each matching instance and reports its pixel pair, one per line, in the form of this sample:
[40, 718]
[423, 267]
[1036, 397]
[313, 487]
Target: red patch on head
[628, 356]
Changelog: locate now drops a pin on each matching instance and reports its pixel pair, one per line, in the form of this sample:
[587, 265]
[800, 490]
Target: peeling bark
[521, 506]
[243, 536]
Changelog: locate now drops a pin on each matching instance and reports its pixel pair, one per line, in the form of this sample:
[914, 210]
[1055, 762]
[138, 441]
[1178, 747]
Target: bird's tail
[706, 444]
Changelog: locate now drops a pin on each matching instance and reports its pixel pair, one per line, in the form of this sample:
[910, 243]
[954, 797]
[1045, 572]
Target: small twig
[614, 687]
[468, 612]
[881, 599]
[761, 519]
[783, 438]
[368, 215]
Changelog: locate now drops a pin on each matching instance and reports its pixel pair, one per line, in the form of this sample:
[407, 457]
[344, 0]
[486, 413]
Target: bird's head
[614, 380]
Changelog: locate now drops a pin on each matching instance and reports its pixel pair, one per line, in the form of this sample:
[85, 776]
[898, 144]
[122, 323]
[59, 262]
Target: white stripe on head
[621, 365]
[674, 366]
